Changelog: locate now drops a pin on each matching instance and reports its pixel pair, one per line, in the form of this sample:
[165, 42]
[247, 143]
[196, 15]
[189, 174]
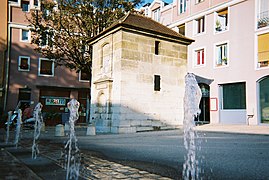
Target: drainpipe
[8, 59]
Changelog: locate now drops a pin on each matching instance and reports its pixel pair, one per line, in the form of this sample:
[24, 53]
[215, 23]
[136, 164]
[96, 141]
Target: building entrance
[204, 117]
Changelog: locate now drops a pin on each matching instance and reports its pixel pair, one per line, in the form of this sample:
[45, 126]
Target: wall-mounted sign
[213, 104]
[55, 101]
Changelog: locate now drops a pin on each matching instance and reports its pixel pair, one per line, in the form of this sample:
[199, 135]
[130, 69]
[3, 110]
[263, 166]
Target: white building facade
[231, 48]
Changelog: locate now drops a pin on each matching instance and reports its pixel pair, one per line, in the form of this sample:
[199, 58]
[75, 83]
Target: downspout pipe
[8, 59]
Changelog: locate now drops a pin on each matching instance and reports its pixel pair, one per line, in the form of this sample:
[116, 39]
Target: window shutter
[263, 47]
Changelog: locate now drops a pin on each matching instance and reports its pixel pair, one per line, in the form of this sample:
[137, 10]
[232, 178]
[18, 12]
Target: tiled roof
[146, 25]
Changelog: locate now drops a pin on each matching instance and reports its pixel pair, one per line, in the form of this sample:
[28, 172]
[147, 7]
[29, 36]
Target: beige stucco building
[138, 76]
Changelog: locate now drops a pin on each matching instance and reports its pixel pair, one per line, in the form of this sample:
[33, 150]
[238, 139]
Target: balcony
[263, 19]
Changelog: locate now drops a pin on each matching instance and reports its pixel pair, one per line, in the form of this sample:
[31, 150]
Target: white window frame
[17, 4]
[28, 9]
[81, 80]
[19, 63]
[157, 14]
[256, 63]
[216, 54]
[184, 6]
[195, 65]
[195, 26]
[39, 67]
[29, 35]
[215, 21]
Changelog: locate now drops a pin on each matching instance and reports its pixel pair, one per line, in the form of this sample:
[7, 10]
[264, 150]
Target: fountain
[192, 99]
[8, 123]
[18, 128]
[38, 125]
[72, 154]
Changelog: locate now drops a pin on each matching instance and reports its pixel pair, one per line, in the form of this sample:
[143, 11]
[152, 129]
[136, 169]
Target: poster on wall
[55, 101]
[213, 104]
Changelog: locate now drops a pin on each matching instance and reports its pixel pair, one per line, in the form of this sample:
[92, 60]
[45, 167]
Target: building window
[157, 82]
[234, 96]
[263, 13]
[84, 76]
[181, 29]
[35, 2]
[106, 63]
[24, 63]
[222, 54]
[46, 67]
[263, 50]
[157, 47]
[24, 95]
[222, 20]
[156, 15]
[182, 6]
[199, 57]
[25, 35]
[264, 100]
[200, 25]
[25, 6]
[46, 39]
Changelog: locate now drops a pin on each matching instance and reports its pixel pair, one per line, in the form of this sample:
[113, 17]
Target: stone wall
[131, 104]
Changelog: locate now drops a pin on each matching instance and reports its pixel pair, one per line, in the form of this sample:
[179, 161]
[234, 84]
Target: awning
[203, 80]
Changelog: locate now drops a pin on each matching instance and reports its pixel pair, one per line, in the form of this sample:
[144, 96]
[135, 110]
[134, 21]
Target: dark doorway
[204, 117]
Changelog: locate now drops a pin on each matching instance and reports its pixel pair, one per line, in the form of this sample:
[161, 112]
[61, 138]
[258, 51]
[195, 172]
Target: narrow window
[181, 29]
[157, 47]
[25, 35]
[200, 25]
[182, 6]
[35, 2]
[222, 58]
[46, 67]
[24, 63]
[222, 20]
[263, 50]
[263, 8]
[25, 6]
[157, 82]
[200, 57]
[156, 15]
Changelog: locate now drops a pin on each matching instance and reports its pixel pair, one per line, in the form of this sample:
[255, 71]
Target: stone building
[138, 76]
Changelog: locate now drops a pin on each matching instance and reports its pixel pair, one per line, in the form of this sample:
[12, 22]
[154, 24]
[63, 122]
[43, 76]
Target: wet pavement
[17, 163]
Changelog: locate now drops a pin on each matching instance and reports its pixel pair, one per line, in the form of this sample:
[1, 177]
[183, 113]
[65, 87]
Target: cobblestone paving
[94, 167]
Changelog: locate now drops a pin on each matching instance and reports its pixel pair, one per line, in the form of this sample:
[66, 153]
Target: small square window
[157, 82]
[84, 76]
[25, 35]
[46, 67]
[24, 63]
[25, 6]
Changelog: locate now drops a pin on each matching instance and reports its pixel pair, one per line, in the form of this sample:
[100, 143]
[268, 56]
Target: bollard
[59, 130]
